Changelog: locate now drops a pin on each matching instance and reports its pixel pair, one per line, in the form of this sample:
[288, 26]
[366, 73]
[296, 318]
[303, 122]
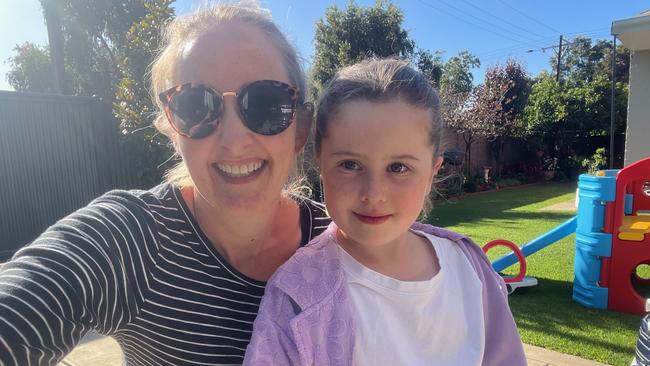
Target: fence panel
[57, 153]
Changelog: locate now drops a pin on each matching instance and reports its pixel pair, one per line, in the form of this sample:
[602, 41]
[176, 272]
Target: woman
[175, 274]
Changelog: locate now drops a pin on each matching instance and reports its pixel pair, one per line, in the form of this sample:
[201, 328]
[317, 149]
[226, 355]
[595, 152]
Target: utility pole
[559, 58]
[558, 65]
[612, 109]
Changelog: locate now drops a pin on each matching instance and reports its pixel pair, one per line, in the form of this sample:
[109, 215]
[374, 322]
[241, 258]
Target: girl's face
[377, 166]
[234, 167]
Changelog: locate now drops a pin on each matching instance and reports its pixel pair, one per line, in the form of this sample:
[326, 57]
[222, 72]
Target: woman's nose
[232, 134]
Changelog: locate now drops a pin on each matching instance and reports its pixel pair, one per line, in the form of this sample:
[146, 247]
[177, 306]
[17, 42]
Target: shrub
[507, 182]
[470, 186]
[597, 161]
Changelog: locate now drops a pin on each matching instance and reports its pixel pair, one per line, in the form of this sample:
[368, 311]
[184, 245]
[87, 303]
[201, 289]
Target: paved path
[103, 351]
[569, 205]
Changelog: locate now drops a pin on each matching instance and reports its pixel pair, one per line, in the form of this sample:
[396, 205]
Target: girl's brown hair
[379, 80]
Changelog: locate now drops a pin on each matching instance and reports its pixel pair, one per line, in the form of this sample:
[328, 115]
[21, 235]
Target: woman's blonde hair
[191, 26]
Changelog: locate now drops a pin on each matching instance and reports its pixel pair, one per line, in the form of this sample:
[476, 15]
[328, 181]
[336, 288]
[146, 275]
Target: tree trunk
[497, 150]
[55, 35]
[469, 140]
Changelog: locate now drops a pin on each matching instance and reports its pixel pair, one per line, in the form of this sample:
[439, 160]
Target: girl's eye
[398, 168]
[350, 165]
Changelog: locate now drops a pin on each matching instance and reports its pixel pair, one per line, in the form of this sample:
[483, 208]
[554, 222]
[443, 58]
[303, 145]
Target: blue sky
[490, 29]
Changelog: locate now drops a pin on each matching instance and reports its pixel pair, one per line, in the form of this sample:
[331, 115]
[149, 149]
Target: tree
[506, 89]
[578, 108]
[108, 46]
[566, 117]
[52, 15]
[457, 111]
[583, 60]
[30, 69]
[91, 35]
[430, 64]
[546, 106]
[344, 37]
[133, 106]
[457, 72]
[622, 64]
[95, 36]
[474, 114]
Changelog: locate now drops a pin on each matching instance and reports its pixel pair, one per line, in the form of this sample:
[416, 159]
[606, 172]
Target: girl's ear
[437, 163]
[304, 117]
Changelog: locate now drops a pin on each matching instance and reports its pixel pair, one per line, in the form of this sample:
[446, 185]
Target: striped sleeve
[70, 280]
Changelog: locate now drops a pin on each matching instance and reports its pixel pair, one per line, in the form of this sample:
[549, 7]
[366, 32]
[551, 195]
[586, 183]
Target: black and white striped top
[136, 266]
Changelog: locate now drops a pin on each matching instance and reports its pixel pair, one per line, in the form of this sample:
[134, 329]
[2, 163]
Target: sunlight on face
[227, 58]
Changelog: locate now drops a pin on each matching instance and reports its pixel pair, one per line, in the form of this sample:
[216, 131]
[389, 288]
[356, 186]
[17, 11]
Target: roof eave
[633, 32]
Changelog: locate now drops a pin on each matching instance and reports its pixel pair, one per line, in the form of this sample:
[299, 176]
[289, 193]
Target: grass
[545, 314]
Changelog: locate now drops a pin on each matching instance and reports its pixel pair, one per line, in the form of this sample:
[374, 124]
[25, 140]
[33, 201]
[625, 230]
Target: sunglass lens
[267, 108]
[195, 110]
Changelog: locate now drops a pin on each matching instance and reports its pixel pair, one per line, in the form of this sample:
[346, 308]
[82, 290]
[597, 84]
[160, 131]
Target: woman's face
[234, 167]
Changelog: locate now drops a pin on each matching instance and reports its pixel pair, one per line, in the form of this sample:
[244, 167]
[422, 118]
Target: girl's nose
[374, 190]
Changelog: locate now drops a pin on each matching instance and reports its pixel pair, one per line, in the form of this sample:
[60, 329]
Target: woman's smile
[240, 173]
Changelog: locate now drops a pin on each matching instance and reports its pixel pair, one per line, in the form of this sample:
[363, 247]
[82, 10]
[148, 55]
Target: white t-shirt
[433, 322]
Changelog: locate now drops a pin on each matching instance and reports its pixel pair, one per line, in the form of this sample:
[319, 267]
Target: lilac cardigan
[307, 318]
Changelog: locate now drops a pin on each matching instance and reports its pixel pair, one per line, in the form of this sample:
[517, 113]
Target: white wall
[637, 141]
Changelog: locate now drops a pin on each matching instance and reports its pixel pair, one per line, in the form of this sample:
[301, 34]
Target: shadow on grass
[493, 204]
[505, 219]
[549, 310]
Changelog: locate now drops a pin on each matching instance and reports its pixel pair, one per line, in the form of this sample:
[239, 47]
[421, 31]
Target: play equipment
[612, 229]
[613, 238]
[519, 254]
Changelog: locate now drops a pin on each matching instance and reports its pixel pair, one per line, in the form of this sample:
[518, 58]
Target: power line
[503, 20]
[526, 46]
[469, 22]
[523, 48]
[529, 17]
[597, 30]
[490, 24]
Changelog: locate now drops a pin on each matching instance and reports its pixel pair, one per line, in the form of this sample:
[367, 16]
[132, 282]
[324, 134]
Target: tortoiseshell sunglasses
[266, 107]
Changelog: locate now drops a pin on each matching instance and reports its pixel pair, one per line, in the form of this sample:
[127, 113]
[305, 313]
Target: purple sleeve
[502, 342]
[272, 342]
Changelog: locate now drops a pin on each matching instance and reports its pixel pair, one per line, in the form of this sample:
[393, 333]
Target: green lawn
[545, 314]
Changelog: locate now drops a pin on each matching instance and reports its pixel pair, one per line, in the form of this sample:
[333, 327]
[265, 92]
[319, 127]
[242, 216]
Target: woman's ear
[304, 117]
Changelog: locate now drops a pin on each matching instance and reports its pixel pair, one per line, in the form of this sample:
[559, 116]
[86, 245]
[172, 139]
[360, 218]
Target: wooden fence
[57, 153]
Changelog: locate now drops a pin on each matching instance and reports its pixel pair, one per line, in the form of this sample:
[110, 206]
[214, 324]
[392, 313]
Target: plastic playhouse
[613, 238]
[612, 229]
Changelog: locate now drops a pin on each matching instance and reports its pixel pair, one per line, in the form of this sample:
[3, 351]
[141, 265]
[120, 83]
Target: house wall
[637, 142]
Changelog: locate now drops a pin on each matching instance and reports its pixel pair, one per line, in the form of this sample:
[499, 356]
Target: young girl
[377, 288]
